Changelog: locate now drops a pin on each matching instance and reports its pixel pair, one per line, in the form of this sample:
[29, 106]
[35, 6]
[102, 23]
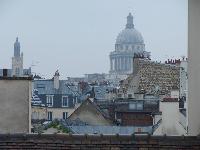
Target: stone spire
[129, 24]
[17, 48]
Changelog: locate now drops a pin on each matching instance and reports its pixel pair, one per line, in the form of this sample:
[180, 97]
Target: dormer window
[65, 101]
[49, 100]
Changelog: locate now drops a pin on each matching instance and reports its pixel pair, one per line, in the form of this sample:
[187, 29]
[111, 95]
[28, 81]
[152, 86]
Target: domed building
[129, 44]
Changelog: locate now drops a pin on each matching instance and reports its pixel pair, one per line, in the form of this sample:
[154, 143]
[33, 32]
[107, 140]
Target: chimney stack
[5, 72]
[56, 80]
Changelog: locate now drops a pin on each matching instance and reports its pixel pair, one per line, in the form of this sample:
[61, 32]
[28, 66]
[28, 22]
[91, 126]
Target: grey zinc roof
[47, 87]
[100, 91]
[123, 130]
[129, 36]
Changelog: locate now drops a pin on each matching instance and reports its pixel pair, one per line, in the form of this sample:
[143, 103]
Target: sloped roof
[47, 87]
[111, 130]
[93, 105]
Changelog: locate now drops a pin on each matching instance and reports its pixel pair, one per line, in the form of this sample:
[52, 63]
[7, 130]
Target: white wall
[15, 107]
[194, 67]
[170, 119]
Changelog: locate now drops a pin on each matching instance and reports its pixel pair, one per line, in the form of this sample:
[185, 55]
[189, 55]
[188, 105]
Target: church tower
[17, 60]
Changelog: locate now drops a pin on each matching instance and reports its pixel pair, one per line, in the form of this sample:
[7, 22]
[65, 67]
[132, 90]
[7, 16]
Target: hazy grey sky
[76, 36]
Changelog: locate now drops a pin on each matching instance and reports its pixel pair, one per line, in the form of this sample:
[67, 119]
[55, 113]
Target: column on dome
[129, 63]
[126, 62]
[122, 63]
[131, 67]
[111, 64]
[124, 59]
[115, 60]
[118, 63]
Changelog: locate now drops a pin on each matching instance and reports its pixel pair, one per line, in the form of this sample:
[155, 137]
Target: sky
[76, 36]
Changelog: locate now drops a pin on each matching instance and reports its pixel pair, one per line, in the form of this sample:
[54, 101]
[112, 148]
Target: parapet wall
[116, 142]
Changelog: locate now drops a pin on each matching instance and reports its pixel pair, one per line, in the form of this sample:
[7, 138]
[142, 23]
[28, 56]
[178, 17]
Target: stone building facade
[58, 98]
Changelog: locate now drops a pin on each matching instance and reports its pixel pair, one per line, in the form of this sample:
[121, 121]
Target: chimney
[5, 72]
[56, 80]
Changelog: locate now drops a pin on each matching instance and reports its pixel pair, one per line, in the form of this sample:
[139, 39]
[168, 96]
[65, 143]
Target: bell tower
[17, 60]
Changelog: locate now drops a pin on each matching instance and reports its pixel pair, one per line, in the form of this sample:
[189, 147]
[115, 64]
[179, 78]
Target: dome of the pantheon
[129, 35]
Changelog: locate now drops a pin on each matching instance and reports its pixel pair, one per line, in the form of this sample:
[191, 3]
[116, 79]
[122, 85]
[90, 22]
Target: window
[40, 86]
[65, 115]
[132, 106]
[65, 101]
[139, 106]
[139, 130]
[49, 116]
[49, 100]
[119, 95]
[136, 106]
[130, 96]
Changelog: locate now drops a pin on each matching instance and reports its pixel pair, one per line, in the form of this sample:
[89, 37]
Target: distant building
[17, 63]
[129, 43]
[59, 98]
[131, 112]
[17, 60]
[95, 77]
[119, 116]
[15, 108]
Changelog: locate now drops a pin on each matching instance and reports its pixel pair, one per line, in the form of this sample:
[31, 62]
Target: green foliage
[57, 125]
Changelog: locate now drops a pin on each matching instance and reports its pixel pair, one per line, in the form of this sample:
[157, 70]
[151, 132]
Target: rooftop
[15, 78]
[74, 141]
